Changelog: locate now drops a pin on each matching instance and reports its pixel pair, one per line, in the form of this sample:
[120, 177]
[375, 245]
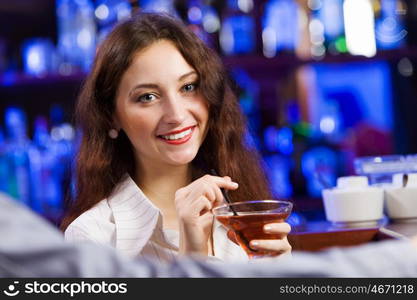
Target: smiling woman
[157, 113]
[159, 108]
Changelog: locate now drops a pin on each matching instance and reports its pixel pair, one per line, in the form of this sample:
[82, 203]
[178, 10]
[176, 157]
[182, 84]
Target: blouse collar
[135, 216]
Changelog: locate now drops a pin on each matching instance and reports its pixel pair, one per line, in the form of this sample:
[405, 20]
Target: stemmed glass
[247, 219]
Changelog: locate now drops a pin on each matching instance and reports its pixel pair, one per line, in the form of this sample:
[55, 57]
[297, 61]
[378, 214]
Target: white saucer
[404, 220]
[359, 224]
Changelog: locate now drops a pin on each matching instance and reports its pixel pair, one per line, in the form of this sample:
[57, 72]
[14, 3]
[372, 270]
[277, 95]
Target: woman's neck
[159, 184]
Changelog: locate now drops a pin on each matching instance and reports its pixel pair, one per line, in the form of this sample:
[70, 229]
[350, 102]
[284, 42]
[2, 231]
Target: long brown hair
[102, 162]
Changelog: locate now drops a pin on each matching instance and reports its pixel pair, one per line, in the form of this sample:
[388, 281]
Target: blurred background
[327, 87]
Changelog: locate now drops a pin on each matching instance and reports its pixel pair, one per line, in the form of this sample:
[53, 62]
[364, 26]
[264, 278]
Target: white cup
[401, 201]
[353, 201]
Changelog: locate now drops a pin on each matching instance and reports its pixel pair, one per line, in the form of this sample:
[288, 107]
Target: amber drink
[247, 219]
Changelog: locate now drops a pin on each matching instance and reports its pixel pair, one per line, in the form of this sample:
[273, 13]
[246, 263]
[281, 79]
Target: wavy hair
[102, 162]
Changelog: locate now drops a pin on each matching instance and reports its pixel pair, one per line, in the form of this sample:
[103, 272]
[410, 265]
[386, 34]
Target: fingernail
[254, 243]
[267, 228]
[235, 184]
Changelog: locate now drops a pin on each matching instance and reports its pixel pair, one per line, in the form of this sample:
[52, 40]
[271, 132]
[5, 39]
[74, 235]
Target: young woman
[157, 114]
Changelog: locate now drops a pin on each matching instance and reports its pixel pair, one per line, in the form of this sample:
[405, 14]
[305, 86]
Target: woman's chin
[180, 159]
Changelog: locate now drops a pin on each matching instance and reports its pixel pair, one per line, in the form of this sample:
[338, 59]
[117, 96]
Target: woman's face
[160, 108]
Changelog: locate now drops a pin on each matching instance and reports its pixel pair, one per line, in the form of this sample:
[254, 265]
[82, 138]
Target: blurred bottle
[76, 35]
[162, 6]
[279, 143]
[330, 119]
[280, 27]
[63, 150]
[314, 163]
[317, 159]
[248, 94]
[108, 13]
[203, 20]
[390, 31]
[39, 56]
[359, 23]
[237, 33]
[278, 148]
[45, 180]
[211, 19]
[320, 168]
[16, 151]
[326, 27]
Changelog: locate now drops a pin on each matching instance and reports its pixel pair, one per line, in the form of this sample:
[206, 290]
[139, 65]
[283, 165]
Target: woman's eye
[189, 87]
[146, 98]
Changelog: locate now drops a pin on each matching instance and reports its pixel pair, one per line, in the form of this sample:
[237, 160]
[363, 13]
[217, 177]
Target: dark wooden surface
[316, 236]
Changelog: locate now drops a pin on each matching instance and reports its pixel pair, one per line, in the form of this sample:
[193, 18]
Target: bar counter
[319, 235]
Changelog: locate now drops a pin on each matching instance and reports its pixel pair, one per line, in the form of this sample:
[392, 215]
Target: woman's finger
[280, 246]
[223, 182]
[202, 205]
[210, 187]
[206, 189]
[226, 184]
[277, 228]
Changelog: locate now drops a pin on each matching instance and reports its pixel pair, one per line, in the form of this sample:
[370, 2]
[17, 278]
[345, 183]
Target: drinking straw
[226, 197]
[225, 194]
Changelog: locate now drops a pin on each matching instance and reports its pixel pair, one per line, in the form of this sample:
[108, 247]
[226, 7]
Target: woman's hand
[193, 204]
[280, 245]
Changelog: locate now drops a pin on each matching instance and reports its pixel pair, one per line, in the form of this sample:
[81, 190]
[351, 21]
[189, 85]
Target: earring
[113, 133]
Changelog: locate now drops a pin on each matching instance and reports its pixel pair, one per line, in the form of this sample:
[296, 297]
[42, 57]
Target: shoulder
[96, 224]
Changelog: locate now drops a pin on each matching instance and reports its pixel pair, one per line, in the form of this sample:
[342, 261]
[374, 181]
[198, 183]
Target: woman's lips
[180, 140]
[177, 131]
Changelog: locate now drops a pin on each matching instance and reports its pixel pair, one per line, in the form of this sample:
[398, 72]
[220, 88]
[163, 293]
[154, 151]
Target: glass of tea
[247, 219]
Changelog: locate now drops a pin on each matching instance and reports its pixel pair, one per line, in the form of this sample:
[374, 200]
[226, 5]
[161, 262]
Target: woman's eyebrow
[154, 86]
[182, 77]
[143, 85]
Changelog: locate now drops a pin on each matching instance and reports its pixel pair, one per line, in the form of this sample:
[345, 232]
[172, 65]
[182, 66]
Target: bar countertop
[318, 235]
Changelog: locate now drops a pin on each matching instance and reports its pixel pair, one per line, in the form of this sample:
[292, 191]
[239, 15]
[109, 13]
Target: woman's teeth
[177, 136]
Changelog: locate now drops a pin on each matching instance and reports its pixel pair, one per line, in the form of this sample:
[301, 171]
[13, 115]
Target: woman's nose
[174, 110]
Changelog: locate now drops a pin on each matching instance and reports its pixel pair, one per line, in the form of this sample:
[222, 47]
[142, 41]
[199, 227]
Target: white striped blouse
[131, 223]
